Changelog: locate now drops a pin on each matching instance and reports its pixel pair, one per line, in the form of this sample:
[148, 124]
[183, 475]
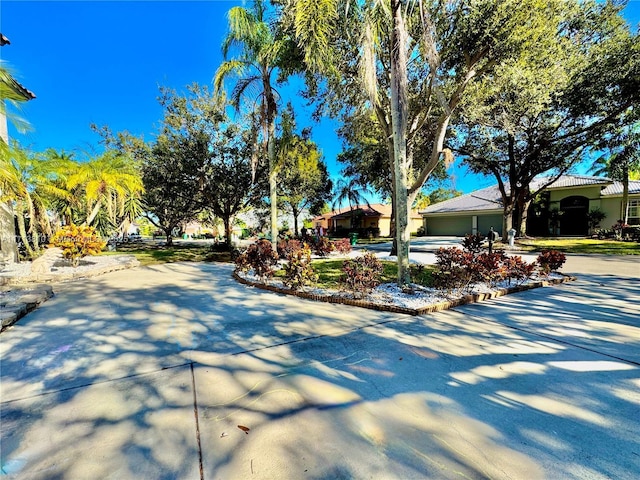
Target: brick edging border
[472, 298]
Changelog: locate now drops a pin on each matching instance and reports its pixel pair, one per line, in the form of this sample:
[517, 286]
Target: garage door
[458, 226]
[485, 222]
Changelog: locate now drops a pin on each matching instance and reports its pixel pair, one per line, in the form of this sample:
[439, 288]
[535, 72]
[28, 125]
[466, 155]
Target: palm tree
[622, 162]
[353, 193]
[106, 182]
[31, 187]
[13, 93]
[375, 23]
[255, 65]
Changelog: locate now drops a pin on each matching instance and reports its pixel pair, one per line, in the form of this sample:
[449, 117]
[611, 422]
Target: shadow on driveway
[151, 373]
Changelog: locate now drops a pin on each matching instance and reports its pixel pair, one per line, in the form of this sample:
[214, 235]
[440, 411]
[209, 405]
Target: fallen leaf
[244, 429]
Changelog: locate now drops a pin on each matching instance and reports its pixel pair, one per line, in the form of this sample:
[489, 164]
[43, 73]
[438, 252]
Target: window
[634, 212]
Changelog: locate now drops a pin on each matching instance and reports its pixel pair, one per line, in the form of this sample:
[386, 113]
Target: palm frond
[226, 69]
[314, 22]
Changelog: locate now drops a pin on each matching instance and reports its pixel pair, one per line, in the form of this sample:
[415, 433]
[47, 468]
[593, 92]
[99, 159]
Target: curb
[436, 307]
[29, 298]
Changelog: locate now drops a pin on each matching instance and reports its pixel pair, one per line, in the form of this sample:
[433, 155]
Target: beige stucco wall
[611, 207]
[383, 223]
[591, 192]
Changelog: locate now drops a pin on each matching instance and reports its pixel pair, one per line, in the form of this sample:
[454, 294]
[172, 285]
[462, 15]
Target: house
[569, 199]
[374, 218]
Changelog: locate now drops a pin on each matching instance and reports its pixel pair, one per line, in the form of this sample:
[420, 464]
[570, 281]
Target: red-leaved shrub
[550, 261]
[361, 274]
[259, 257]
[342, 245]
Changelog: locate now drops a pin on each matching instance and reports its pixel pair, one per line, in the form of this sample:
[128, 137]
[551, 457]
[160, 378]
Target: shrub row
[457, 270]
[262, 259]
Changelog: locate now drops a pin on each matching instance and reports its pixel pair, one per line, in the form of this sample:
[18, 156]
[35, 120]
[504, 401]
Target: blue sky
[102, 62]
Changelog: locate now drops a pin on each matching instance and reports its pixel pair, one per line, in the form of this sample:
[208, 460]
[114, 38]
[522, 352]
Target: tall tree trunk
[295, 212]
[524, 215]
[94, 213]
[8, 246]
[23, 229]
[507, 220]
[625, 194]
[399, 125]
[227, 231]
[168, 233]
[270, 116]
[273, 198]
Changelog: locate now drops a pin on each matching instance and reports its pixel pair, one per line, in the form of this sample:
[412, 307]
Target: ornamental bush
[323, 246]
[361, 274]
[518, 270]
[473, 243]
[489, 268]
[285, 247]
[298, 271]
[342, 245]
[259, 257]
[453, 269]
[457, 270]
[550, 261]
[77, 242]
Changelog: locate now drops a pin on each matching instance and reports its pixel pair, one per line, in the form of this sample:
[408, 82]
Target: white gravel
[391, 294]
[61, 267]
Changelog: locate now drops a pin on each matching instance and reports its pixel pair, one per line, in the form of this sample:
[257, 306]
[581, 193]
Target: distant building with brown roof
[374, 218]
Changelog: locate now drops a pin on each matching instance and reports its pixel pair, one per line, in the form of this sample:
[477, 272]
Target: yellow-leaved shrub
[77, 241]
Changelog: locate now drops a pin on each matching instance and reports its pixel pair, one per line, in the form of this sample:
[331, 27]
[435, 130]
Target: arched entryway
[574, 215]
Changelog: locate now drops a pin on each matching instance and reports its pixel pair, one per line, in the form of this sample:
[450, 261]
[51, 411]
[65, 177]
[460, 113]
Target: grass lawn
[152, 254]
[330, 271]
[581, 245]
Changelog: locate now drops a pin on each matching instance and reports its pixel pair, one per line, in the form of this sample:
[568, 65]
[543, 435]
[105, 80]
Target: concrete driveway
[176, 371]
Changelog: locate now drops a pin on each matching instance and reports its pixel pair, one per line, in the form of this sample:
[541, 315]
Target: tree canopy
[541, 110]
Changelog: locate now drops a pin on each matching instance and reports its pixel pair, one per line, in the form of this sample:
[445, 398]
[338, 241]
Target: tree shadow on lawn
[100, 380]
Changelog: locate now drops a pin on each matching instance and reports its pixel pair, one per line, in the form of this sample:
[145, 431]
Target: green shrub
[259, 257]
[298, 271]
[77, 242]
[361, 274]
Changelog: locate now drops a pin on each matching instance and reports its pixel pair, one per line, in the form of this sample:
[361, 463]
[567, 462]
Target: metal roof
[486, 199]
[616, 188]
[489, 198]
[568, 181]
